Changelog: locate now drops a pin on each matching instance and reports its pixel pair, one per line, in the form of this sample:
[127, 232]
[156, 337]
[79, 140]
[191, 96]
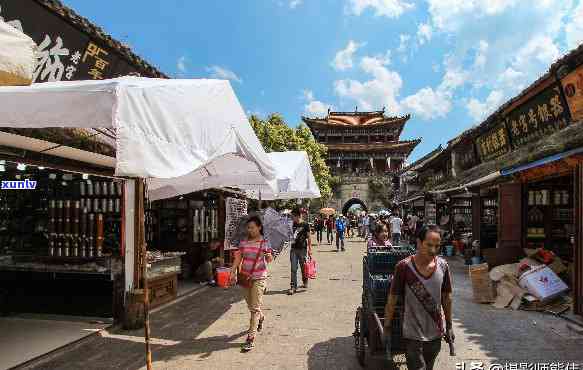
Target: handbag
[244, 279]
[310, 267]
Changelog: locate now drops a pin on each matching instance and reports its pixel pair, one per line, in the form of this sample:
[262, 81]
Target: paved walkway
[313, 329]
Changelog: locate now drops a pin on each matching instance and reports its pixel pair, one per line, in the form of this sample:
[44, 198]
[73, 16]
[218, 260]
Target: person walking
[250, 269]
[340, 230]
[365, 226]
[346, 226]
[423, 282]
[396, 224]
[301, 245]
[330, 229]
[319, 226]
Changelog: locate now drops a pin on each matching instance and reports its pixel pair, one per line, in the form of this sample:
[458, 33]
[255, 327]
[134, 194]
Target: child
[380, 238]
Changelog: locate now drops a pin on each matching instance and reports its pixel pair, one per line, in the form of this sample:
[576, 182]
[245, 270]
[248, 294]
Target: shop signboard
[465, 156]
[64, 52]
[573, 88]
[540, 116]
[493, 143]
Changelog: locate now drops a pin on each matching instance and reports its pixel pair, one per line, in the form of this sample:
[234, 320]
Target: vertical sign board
[573, 88]
[542, 115]
[65, 53]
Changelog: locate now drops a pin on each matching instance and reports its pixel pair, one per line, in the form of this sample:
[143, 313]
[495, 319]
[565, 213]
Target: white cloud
[428, 103]
[314, 107]
[479, 110]
[343, 59]
[403, 43]
[295, 3]
[382, 8]
[481, 55]
[181, 64]
[451, 15]
[381, 90]
[223, 74]
[424, 33]
[574, 27]
[496, 54]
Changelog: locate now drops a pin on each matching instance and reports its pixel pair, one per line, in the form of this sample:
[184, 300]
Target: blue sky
[447, 62]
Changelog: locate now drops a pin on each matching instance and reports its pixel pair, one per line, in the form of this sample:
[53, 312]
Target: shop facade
[515, 179]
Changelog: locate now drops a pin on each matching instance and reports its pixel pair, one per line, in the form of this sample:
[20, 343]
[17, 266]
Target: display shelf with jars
[461, 209]
[489, 221]
[550, 215]
[62, 222]
[430, 215]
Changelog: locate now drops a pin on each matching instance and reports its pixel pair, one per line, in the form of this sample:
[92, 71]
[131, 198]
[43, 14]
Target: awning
[194, 132]
[541, 162]
[294, 178]
[412, 199]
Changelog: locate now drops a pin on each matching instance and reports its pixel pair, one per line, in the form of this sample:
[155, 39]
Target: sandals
[260, 325]
[248, 345]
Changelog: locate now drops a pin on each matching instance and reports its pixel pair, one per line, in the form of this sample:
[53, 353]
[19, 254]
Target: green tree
[276, 136]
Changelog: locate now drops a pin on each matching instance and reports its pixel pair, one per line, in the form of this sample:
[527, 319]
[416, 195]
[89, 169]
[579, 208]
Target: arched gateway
[363, 147]
[352, 202]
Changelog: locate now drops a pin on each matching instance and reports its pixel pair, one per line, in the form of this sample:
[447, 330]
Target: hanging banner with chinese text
[64, 52]
[493, 143]
[540, 116]
[573, 88]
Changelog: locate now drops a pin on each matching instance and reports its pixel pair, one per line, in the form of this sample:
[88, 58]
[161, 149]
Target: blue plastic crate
[384, 261]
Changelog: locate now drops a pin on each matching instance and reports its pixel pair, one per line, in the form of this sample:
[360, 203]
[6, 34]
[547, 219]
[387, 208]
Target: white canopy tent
[193, 130]
[294, 178]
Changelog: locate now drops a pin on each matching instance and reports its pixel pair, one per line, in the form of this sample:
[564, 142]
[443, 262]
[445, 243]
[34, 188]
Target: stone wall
[350, 188]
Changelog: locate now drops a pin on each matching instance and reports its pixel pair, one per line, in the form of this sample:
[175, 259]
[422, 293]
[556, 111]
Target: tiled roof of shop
[423, 160]
[569, 138]
[99, 34]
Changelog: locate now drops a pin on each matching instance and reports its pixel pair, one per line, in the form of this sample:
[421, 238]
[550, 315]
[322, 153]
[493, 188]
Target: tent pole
[141, 241]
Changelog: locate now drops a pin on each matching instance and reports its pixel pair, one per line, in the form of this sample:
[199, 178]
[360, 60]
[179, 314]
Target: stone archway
[352, 202]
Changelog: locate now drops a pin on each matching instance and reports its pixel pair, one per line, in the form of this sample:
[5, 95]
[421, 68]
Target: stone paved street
[312, 330]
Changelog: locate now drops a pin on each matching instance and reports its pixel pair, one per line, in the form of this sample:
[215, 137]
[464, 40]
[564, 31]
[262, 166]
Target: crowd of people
[426, 271]
[339, 228]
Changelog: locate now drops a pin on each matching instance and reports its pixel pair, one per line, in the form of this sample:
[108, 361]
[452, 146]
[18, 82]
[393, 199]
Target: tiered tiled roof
[376, 119]
[97, 33]
[405, 146]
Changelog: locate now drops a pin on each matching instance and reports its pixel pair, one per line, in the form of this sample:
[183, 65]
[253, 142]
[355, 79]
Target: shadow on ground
[177, 326]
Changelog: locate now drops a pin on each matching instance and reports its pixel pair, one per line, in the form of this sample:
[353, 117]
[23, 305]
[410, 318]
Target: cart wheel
[359, 344]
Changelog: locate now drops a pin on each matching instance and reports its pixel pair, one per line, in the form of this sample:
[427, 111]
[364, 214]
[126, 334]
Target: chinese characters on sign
[573, 88]
[494, 143]
[64, 52]
[98, 64]
[541, 116]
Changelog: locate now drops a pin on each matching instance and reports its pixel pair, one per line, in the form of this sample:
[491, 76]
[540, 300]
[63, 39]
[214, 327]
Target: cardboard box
[481, 284]
[543, 283]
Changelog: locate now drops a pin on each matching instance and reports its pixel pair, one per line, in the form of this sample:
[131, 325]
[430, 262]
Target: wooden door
[510, 216]
[578, 283]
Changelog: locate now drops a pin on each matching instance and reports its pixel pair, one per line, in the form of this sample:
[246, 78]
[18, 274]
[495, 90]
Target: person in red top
[330, 229]
[251, 259]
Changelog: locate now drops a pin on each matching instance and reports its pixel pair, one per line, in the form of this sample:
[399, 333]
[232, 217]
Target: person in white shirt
[396, 224]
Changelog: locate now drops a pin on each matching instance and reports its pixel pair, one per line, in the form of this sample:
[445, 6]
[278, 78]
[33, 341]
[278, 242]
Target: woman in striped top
[251, 259]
